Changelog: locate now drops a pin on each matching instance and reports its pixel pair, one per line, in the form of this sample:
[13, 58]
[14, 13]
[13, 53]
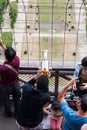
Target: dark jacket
[30, 112]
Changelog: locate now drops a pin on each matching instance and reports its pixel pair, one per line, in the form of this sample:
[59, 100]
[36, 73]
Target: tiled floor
[6, 123]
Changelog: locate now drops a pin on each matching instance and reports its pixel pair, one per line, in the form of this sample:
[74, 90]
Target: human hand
[72, 82]
[74, 86]
[43, 72]
[54, 115]
[1, 42]
[58, 114]
[39, 73]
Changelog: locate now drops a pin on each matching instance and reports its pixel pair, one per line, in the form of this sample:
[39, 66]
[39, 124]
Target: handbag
[10, 67]
[15, 71]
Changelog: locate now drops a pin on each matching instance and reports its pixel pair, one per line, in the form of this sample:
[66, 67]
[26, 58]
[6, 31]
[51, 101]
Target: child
[55, 115]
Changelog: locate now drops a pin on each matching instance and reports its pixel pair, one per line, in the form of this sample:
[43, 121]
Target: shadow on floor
[6, 123]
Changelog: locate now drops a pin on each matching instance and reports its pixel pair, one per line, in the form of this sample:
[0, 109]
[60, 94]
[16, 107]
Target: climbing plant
[13, 12]
[3, 4]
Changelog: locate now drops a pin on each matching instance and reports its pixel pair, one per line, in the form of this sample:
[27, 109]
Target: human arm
[58, 114]
[64, 90]
[84, 126]
[46, 73]
[77, 70]
[76, 74]
[46, 110]
[2, 45]
[65, 108]
[34, 79]
[80, 85]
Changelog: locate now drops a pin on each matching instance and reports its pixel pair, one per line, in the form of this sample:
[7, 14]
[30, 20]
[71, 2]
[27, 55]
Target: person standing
[34, 97]
[73, 119]
[55, 113]
[10, 80]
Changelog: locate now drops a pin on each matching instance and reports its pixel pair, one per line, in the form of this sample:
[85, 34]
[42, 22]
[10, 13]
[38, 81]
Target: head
[84, 103]
[84, 62]
[42, 83]
[82, 76]
[55, 105]
[9, 53]
[84, 66]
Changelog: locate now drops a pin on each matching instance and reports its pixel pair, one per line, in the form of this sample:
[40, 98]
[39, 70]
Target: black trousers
[1, 94]
[13, 90]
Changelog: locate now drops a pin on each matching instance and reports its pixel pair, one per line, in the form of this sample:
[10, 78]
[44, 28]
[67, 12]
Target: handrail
[56, 74]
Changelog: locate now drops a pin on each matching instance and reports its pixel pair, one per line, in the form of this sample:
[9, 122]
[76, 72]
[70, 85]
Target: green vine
[13, 12]
[3, 4]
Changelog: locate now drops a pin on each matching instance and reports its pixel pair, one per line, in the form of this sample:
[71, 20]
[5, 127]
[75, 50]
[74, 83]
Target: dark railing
[58, 78]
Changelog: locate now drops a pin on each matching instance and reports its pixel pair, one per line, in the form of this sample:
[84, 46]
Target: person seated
[80, 87]
[80, 73]
[79, 66]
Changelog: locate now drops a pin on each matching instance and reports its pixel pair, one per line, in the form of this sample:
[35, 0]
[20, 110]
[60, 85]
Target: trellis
[53, 25]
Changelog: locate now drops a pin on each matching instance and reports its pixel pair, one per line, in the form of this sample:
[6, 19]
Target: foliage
[13, 12]
[7, 38]
[3, 4]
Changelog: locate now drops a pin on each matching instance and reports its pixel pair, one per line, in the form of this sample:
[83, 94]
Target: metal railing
[58, 78]
[53, 25]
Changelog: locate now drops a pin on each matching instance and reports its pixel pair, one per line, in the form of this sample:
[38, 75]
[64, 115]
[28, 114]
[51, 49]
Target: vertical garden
[13, 12]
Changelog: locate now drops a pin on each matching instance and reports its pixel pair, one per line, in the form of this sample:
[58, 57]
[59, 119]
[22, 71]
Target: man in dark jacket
[34, 97]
